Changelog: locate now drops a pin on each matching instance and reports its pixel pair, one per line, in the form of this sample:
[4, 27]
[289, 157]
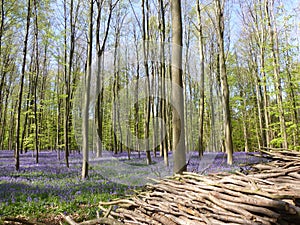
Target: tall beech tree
[86, 101]
[219, 7]
[177, 90]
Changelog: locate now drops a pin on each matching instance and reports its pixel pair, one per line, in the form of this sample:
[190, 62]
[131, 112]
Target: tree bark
[85, 121]
[177, 90]
[224, 84]
[201, 103]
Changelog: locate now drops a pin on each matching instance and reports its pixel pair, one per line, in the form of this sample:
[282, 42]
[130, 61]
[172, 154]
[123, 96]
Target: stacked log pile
[268, 194]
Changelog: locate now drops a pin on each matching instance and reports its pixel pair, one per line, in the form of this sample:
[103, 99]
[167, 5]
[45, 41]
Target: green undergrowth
[41, 196]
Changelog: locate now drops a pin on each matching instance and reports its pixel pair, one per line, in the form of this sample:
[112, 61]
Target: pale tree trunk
[201, 103]
[20, 95]
[85, 121]
[188, 118]
[275, 60]
[223, 76]
[177, 90]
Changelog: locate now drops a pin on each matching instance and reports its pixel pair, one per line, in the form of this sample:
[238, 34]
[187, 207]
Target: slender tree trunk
[20, 95]
[147, 108]
[99, 79]
[224, 83]
[186, 80]
[85, 122]
[67, 82]
[58, 111]
[36, 122]
[177, 91]
[114, 99]
[201, 103]
[136, 91]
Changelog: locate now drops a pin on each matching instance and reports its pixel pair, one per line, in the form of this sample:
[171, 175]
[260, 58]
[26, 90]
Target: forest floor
[46, 191]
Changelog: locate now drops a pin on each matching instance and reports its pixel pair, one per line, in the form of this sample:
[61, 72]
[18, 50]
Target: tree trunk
[177, 90]
[223, 76]
[85, 121]
[99, 78]
[20, 95]
[147, 108]
[201, 103]
[67, 80]
[136, 91]
[36, 83]
[162, 26]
